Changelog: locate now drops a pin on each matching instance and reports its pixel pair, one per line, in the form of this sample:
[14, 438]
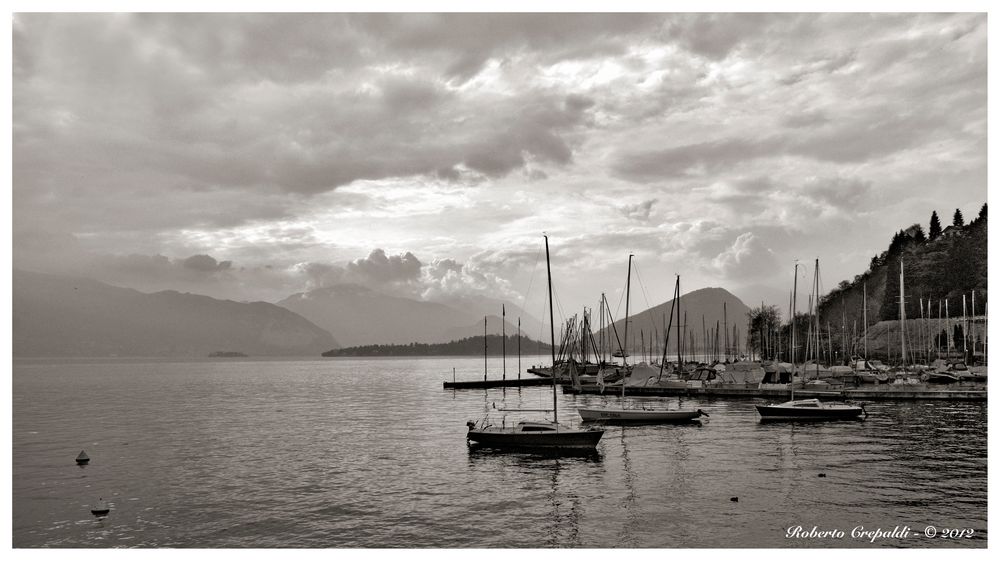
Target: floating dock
[883, 392]
[511, 383]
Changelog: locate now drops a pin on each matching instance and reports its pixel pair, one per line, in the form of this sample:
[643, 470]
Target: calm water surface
[372, 453]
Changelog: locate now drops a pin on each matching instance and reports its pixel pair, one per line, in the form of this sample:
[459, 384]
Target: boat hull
[785, 413]
[611, 415]
[548, 440]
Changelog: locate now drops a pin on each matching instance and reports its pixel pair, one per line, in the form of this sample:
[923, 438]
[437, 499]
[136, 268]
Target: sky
[254, 156]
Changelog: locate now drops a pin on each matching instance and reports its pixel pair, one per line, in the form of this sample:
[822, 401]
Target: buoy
[101, 509]
[735, 499]
[82, 459]
[822, 475]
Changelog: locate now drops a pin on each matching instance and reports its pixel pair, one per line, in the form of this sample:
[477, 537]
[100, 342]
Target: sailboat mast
[865, 319]
[503, 337]
[628, 288]
[552, 331]
[518, 347]
[603, 349]
[965, 331]
[947, 327]
[902, 314]
[795, 288]
[816, 303]
[485, 348]
[677, 299]
[937, 340]
[725, 325]
[704, 335]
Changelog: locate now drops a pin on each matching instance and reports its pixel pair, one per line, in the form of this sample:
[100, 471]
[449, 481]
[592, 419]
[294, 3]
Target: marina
[905, 393]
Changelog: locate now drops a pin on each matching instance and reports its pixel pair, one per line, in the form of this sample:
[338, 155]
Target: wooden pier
[883, 392]
[510, 383]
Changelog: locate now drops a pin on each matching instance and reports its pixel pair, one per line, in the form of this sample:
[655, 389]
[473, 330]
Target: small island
[470, 346]
[226, 354]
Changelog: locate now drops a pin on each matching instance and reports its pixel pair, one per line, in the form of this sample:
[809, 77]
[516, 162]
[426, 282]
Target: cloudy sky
[254, 156]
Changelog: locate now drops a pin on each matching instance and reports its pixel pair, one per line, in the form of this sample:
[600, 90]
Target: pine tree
[935, 229]
[918, 233]
[958, 220]
[982, 212]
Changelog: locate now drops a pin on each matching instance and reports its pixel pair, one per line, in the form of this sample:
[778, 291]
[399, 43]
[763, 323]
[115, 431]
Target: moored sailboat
[809, 410]
[546, 435]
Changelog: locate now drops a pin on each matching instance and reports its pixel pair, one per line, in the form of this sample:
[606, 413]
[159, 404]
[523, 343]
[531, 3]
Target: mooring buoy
[101, 509]
[822, 475]
[735, 499]
[82, 459]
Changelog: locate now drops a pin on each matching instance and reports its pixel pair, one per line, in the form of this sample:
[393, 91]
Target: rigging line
[531, 280]
[649, 309]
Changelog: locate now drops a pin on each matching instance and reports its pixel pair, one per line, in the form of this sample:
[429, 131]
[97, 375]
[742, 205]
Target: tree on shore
[958, 220]
[935, 229]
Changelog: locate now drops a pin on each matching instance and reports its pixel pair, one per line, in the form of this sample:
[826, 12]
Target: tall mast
[552, 331]
[816, 303]
[725, 325]
[947, 329]
[795, 288]
[865, 308]
[503, 337]
[902, 314]
[628, 288]
[965, 331]
[973, 320]
[518, 347]
[603, 356]
[704, 336]
[486, 348]
[677, 300]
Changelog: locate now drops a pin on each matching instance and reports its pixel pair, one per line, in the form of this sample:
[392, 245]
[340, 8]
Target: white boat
[631, 415]
[809, 410]
[546, 435]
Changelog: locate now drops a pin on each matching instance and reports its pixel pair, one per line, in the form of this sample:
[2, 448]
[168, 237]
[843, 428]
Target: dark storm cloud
[466, 42]
[716, 35]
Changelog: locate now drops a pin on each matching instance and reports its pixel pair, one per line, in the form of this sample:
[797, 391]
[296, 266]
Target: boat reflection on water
[481, 451]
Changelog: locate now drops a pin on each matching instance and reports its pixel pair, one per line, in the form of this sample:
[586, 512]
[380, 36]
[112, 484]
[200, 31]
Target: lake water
[372, 453]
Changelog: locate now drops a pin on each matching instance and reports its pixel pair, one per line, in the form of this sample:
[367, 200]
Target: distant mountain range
[356, 315]
[704, 303]
[64, 316]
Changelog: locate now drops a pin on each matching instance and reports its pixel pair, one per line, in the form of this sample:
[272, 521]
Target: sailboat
[622, 414]
[807, 409]
[545, 435]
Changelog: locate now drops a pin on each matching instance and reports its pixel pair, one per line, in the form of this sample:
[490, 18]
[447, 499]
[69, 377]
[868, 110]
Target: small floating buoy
[101, 509]
[82, 459]
[822, 475]
[735, 499]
